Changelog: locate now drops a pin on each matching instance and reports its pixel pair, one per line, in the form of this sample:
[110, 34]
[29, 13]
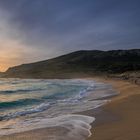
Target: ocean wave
[19, 90]
[25, 112]
[50, 104]
[21, 102]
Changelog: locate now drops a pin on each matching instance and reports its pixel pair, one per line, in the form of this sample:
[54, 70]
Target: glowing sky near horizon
[34, 30]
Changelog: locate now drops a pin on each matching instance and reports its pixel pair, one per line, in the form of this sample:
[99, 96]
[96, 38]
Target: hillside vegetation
[80, 63]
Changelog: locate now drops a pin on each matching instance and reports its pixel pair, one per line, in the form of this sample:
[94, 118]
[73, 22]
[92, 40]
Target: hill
[79, 63]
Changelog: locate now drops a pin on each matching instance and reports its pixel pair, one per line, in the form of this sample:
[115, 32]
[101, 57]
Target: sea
[29, 104]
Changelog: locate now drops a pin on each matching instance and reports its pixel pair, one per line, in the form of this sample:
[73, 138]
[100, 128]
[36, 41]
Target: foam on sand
[76, 127]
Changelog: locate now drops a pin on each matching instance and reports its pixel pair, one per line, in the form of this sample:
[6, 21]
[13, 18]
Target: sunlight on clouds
[10, 54]
[9, 48]
[13, 51]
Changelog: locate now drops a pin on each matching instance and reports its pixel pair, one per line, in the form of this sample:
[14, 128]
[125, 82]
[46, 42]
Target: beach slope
[126, 108]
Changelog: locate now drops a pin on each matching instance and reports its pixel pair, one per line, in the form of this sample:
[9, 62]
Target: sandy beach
[125, 108]
[119, 119]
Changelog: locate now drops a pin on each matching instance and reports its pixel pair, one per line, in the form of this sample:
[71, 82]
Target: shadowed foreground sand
[126, 107]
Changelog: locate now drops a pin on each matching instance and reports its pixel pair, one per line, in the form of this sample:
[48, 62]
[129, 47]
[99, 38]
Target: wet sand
[125, 108]
[117, 120]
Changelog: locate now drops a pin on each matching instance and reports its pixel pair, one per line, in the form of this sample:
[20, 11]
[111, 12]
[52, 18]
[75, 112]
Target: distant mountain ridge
[79, 62]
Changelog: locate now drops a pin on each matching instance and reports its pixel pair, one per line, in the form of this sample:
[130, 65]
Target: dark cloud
[68, 25]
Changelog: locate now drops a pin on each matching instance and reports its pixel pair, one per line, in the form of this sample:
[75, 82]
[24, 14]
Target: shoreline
[121, 116]
[106, 116]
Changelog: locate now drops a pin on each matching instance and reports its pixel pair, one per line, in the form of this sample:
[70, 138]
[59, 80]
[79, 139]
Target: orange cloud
[13, 52]
[10, 53]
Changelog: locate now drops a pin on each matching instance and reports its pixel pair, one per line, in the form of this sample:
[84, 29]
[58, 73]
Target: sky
[34, 30]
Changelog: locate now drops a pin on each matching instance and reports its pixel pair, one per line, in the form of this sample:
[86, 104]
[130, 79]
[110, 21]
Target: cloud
[45, 29]
[12, 49]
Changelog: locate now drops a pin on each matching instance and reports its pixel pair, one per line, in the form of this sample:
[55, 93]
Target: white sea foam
[77, 127]
[57, 98]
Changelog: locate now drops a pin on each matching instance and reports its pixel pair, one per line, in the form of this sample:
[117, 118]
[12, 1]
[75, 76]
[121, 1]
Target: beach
[119, 119]
[125, 109]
